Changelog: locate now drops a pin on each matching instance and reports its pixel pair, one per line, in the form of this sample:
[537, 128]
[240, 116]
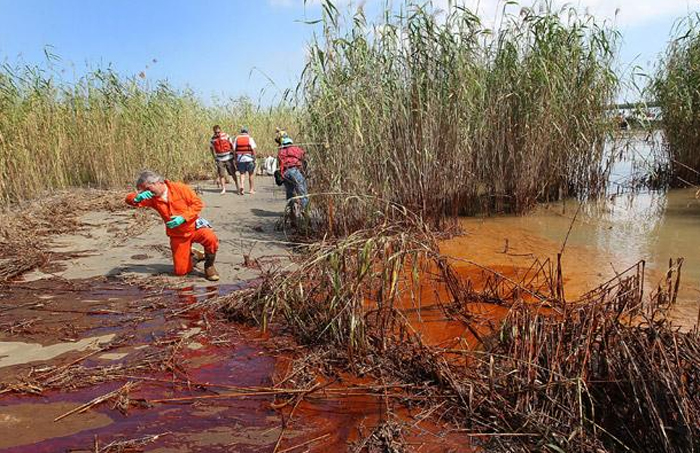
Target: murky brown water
[607, 236]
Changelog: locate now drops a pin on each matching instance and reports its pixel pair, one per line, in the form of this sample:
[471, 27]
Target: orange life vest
[221, 143]
[243, 144]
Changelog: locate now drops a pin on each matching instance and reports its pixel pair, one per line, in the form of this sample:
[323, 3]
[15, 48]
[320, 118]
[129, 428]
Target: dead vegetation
[26, 229]
[388, 437]
[608, 372]
[125, 446]
[75, 375]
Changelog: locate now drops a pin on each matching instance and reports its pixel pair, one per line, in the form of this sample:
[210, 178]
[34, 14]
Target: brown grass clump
[388, 437]
[608, 372]
[26, 229]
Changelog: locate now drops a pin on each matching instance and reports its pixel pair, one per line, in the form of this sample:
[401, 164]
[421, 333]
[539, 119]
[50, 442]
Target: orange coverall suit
[184, 202]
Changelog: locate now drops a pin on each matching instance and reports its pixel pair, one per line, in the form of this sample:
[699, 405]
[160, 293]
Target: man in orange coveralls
[179, 207]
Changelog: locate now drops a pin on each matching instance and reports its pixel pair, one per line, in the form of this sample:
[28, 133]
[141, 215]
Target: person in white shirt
[244, 148]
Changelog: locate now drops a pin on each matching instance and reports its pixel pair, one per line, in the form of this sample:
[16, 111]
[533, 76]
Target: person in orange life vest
[244, 147]
[291, 159]
[221, 148]
[179, 207]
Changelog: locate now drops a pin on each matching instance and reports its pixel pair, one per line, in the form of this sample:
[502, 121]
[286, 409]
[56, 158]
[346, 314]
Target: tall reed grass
[446, 117]
[100, 130]
[676, 88]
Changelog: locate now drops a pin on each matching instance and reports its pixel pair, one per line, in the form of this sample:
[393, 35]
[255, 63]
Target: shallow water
[209, 355]
[607, 235]
[17, 352]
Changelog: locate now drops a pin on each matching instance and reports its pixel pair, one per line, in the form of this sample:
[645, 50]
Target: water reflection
[633, 223]
[630, 223]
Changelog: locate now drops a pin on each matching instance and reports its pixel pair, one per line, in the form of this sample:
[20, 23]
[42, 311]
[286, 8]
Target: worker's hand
[145, 195]
[175, 221]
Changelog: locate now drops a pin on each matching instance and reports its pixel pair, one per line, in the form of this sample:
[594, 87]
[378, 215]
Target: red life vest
[243, 144]
[290, 156]
[221, 143]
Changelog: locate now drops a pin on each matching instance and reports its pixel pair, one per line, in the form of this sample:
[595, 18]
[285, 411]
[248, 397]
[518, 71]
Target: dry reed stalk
[304, 444]
[607, 372]
[342, 391]
[118, 395]
[130, 445]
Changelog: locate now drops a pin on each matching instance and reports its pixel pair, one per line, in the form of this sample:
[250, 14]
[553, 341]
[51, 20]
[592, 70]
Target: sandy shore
[134, 243]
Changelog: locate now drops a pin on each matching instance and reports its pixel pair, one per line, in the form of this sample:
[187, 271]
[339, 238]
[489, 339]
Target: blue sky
[230, 48]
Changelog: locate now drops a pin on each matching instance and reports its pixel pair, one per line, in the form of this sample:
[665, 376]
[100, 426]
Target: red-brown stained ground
[217, 352]
[212, 352]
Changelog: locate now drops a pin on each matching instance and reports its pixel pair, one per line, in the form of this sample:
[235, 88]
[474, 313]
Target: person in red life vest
[221, 148]
[244, 147]
[291, 159]
[179, 207]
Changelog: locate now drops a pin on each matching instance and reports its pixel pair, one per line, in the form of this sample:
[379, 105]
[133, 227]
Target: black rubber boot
[209, 269]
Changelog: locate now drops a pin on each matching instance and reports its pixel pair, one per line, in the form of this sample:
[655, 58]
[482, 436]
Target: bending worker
[179, 207]
[221, 149]
[291, 159]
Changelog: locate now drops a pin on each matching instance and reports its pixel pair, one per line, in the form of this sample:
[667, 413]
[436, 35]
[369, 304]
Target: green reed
[676, 88]
[103, 128]
[446, 117]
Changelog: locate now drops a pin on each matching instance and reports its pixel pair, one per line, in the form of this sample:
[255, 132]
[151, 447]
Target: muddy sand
[107, 311]
[115, 244]
[103, 350]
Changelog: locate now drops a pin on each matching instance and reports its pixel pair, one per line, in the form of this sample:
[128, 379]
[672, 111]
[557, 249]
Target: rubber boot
[209, 269]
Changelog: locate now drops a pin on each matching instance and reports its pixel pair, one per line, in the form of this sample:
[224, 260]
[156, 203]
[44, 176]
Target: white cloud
[624, 12]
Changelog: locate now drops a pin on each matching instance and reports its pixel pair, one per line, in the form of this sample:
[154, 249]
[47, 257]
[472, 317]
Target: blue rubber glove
[145, 195]
[175, 221]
